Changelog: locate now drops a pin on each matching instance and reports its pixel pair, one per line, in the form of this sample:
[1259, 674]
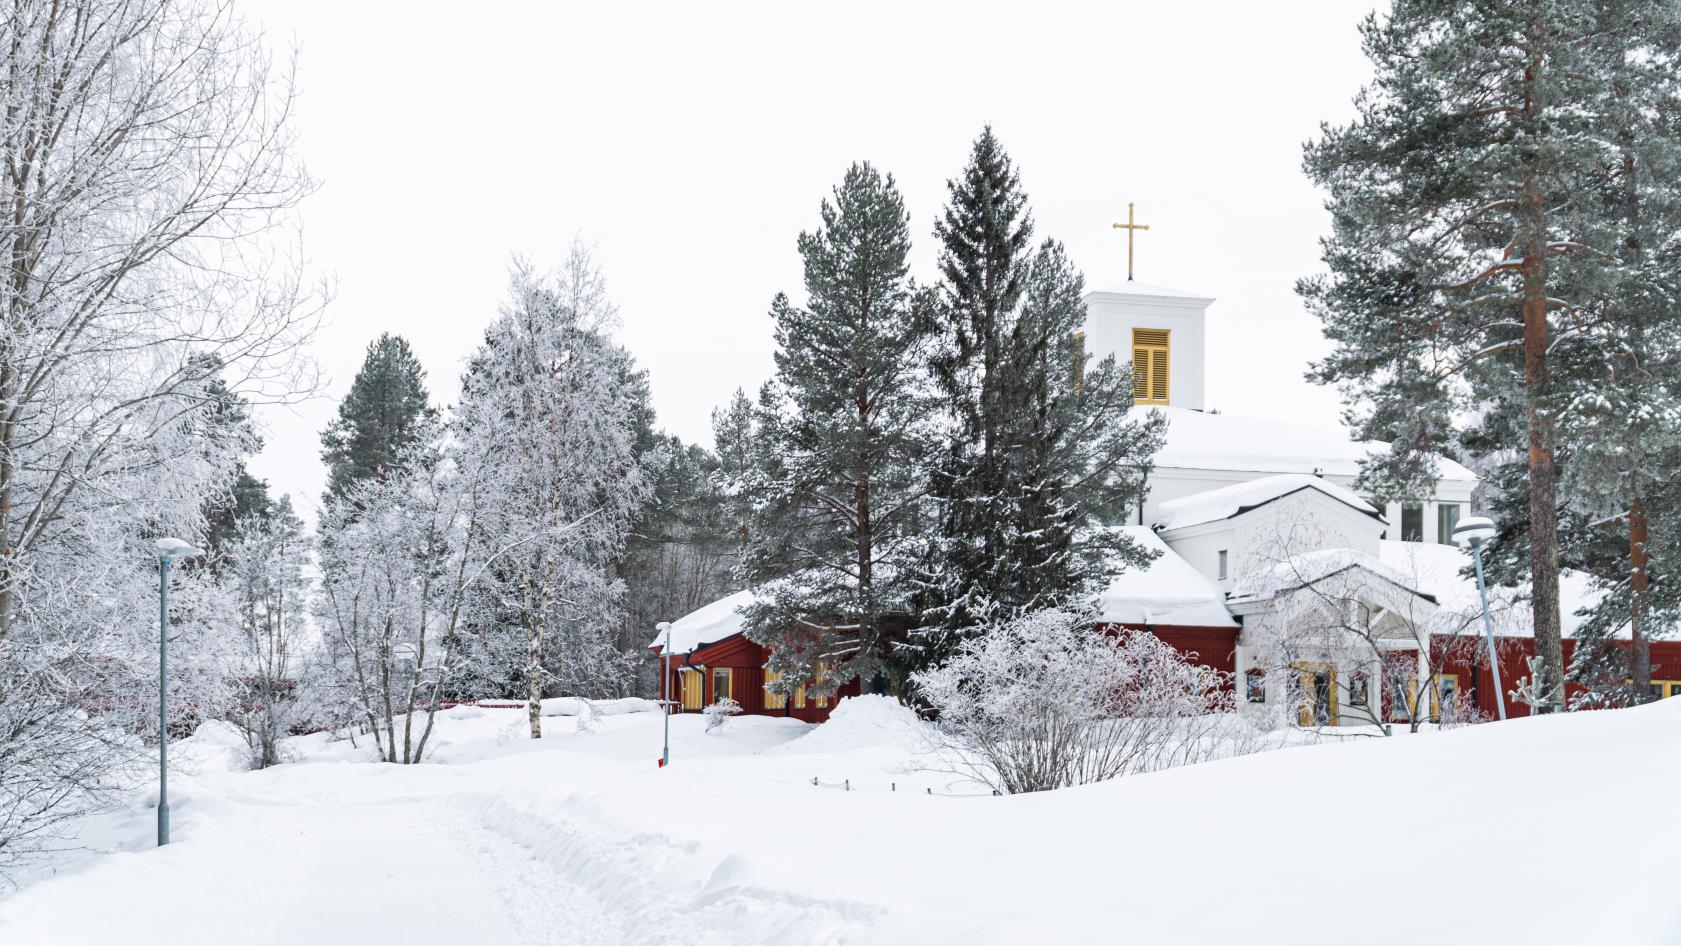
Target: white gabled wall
[1303, 521]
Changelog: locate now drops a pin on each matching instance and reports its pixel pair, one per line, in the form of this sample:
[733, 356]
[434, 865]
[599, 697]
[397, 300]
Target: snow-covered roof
[1436, 570]
[1130, 288]
[1299, 571]
[1204, 441]
[708, 625]
[1169, 591]
[1227, 501]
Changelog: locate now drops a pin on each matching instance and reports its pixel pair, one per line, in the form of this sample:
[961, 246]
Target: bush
[1047, 701]
[719, 713]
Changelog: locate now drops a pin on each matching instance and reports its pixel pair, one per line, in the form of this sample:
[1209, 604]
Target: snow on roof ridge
[1132, 288]
[708, 624]
[1227, 501]
[1216, 441]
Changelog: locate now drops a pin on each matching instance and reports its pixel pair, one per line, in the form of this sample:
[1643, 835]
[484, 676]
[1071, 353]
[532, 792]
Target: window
[1255, 686]
[692, 686]
[1359, 688]
[1149, 365]
[773, 700]
[1412, 522]
[1447, 516]
[720, 683]
[1665, 688]
[821, 699]
[1223, 575]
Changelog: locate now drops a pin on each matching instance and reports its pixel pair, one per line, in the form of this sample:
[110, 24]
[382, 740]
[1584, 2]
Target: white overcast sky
[691, 143]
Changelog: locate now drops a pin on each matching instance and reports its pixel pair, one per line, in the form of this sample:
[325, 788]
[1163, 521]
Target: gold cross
[1130, 228]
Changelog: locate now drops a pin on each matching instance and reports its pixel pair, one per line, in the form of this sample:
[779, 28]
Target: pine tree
[1462, 254]
[1043, 447]
[847, 419]
[246, 498]
[1623, 416]
[384, 414]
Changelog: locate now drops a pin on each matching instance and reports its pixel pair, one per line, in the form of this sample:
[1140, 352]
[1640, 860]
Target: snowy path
[494, 850]
[580, 840]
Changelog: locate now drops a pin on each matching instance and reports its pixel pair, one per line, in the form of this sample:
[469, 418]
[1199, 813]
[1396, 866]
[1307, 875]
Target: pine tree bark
[1640, 656]
[1543, 473]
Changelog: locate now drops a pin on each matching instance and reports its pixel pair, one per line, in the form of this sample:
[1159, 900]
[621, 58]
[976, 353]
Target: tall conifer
[831, 536]
[1466, 246]
[384, 414]
[1043, 449]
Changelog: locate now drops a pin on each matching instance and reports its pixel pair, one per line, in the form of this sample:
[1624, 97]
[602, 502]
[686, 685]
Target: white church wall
[1168, 483]
[1111, 317]
[1201, 546]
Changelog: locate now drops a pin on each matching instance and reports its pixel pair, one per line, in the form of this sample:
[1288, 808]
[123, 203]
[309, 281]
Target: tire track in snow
[618, 887]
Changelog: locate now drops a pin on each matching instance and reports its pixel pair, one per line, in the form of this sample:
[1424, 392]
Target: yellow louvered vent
[1149, 365]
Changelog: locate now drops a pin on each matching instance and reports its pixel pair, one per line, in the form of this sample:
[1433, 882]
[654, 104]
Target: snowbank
[573, 706]
[832, 840]
[858, 722]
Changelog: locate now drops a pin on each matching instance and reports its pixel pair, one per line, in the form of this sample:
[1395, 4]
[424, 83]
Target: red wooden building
[712, 659]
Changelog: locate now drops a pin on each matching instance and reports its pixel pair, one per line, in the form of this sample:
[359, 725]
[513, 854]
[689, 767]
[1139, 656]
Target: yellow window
[720, 684]
[773, 700]
[1149, 365]
[1674, 688]
[821, 701]
[693, 687]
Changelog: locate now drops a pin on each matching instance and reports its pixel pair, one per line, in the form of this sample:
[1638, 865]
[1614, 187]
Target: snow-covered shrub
[720, 712]
[1047, 701]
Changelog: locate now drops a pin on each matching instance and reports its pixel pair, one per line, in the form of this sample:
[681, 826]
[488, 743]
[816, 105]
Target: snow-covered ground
[1546, 830]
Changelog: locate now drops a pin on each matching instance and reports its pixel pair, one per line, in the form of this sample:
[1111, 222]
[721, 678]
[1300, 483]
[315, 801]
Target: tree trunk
[534, 677]
[1543, 474]
[1640, 657]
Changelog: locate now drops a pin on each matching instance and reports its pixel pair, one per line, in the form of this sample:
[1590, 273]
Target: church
[1324, 607]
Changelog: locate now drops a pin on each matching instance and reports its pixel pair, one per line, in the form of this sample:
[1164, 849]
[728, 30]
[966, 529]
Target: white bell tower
[1163, 331]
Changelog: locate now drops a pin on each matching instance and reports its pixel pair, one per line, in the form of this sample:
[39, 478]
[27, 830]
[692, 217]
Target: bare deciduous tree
[145, 163]
[1046, 701]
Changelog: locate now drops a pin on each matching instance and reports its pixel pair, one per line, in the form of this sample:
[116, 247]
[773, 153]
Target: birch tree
[145, 166]
[547, 415]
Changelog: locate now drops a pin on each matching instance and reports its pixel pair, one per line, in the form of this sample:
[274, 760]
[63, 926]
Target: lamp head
[170, 547]
[1474, 532]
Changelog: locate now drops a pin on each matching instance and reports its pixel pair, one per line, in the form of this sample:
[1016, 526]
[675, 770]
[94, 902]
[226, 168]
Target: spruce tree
[1043, 448]
[846, 419]
[1463, 252]
[384, 414]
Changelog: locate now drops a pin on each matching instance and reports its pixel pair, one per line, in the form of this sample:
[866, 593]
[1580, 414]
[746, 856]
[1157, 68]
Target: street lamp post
[168, 550]
[664, 627]
[1473, 532]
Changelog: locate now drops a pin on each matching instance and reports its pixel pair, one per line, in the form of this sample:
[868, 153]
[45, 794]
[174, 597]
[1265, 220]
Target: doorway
[1316, 693]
